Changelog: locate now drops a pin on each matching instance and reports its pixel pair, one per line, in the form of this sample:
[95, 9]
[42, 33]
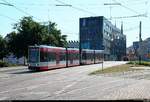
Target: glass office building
[98, 33]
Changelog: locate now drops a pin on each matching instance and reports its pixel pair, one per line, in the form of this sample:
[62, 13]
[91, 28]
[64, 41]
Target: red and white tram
[48, 57]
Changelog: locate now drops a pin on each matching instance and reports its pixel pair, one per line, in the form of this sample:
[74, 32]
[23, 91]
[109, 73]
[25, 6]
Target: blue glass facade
[91, 33]
[96, 32]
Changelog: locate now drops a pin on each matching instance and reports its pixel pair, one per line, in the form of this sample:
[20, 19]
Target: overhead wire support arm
[112, 3]
[64, 5]
[77, 8]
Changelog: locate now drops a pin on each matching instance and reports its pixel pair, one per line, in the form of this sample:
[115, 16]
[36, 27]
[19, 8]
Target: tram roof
[46, 46]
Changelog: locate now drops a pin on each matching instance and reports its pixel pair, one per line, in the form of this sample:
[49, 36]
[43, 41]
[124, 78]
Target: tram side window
[84, 56]
[43, 56]
[97, 56]
[62, 56]
[90, 56]
[51, 56]
[71, 56]
[87, 56]
[75, 56]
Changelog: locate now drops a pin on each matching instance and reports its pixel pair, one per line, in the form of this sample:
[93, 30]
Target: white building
[13, 60]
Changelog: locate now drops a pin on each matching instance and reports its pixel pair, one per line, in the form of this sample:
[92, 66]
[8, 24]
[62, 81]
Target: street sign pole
[103, 47]
[103, 61]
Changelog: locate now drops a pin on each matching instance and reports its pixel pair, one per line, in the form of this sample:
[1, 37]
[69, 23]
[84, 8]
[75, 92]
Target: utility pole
[140, 40]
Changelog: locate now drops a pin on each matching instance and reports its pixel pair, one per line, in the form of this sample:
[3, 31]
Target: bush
[131, 62]
[145, 63]
[137, 63]
[3, 64]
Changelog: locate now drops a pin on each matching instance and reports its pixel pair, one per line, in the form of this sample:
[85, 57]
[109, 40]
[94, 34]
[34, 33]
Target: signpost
[103, 48]
[102, 61]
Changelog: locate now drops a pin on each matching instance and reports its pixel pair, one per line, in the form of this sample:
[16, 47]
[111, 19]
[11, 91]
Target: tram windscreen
[33, 55]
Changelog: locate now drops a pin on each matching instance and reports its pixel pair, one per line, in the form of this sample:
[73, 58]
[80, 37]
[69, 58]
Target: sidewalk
[12, 68]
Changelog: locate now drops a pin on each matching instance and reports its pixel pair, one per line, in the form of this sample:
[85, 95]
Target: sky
[67, 17]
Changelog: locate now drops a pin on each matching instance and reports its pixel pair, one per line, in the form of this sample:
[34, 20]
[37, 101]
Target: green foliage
[115, 69]
[141, 63]
[53, 36]
[30, 33]
[3, 64]
[11, 40]
[3, 48]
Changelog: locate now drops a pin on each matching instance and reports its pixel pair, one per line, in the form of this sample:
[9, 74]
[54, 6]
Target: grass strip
[114, 69]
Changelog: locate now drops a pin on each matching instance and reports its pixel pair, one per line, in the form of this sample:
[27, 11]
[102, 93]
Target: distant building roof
[73, 44]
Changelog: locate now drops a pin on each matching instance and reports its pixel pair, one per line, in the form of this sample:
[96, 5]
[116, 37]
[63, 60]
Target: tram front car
[33, 58]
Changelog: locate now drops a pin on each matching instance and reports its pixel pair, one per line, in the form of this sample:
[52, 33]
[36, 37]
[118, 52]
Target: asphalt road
[73, 83]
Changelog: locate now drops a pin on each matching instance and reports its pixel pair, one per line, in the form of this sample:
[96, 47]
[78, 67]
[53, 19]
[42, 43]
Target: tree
[13, 44]
[30, 32]
[63, 41]
[54, 36]
[3, 48]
